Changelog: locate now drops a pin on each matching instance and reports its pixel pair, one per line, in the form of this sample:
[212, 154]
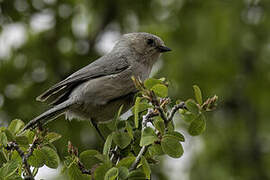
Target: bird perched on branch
[97, 91]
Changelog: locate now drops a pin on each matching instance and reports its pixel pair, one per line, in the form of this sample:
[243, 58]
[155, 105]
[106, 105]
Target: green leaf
[75, 173]
[88, 158]
[126, 161]
[15, 156]
[9, 135]
[163, 79]
[3, 156]
[113, 125]
[121, 139]
[121, 124]
[119, 111]
[102, 157]
[3, 139]
[159, 124]
[172, 147]
[14, 177]
[170, 126]
[9, 168]
[144, 106]
[146, 167]
[52, 146]
[192, 106]
[30, 136]
[197, 126]
[198, 94]
[122, 173]
[35, 171]
[22, 140]
[37, 159]
[100, 172]
[106, 128]
[187, 116]
[107, 145]
[15, 126]
[177, 135]
[148, 137]
[160, 90]
[155, 150]
[51, 158]
[111, 174]
[149, 83]
[2, 128]
[51, 137]
[136, 175]
[136, 111]
[69, 160]
[129, 129]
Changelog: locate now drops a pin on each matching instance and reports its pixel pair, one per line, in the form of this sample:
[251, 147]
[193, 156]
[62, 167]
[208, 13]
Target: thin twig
[146, 119]
[149, 115]
[14, 146]
[32, 148]
[83, 169]
[113, 153]
[175, 109]
[73, 151]
[118, 159]
[138, 158]
[161, 113]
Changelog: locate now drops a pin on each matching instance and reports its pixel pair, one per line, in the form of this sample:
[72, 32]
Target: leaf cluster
[131, 146]
[19, 152]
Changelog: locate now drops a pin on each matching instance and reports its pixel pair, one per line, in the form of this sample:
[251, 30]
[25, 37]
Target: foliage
[130, 148]
[222, 45]
[20, 151]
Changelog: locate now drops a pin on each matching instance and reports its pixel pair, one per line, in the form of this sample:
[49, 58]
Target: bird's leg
[97, 129]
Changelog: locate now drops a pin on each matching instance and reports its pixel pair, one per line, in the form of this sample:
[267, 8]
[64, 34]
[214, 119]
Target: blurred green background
[221, 45]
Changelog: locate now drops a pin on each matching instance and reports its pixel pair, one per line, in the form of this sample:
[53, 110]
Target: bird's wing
[101, 67]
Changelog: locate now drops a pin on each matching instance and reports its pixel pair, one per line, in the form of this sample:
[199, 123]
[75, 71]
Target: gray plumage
[98, 90]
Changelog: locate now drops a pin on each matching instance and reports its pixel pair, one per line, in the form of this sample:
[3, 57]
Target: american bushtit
[97, 91]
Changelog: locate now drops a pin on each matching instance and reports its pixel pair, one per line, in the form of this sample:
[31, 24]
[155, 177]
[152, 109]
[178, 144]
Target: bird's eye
[150, 41]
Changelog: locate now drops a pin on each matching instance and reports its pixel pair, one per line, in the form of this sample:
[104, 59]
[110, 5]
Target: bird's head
[144, 44]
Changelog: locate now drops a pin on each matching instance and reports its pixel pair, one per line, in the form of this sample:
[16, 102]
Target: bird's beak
[163, 49]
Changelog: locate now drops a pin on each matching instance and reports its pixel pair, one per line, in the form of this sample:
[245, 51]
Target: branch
[73, 151]
[146, 118]
[32, 148]
[175, 109]
[113, 152]
[14, 146]
[138, 158]
[83, 169]
[161, 113]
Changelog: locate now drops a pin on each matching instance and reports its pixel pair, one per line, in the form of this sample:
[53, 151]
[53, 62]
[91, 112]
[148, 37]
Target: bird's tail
[47, 116]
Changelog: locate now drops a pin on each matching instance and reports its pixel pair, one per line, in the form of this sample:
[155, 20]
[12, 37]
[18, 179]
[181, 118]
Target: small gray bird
[97, 91]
